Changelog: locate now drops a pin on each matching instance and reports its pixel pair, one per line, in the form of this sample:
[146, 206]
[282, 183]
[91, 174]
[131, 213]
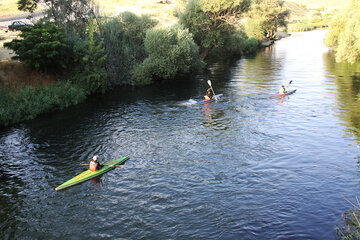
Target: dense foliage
[46, 47]
[344, 34]
[124, 45]
[92, 53]
[69, 13]
[172, 52]
[29, 102]
[89, 55]
[265, 17]
[43, 46]
[212, 22]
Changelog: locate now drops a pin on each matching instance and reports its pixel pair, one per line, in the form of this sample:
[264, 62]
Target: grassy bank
[25, 93]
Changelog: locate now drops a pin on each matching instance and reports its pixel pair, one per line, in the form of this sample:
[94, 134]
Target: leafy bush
[43, 46]
[172, 52]
[236, 45]
[208, 30]
[29, 102]
[344, 34]
[89, 68]
[265, 17]
[254, 29]
[124, 45]
[250, 46]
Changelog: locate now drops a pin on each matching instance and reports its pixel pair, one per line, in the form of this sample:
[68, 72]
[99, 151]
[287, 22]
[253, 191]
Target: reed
[351, 227]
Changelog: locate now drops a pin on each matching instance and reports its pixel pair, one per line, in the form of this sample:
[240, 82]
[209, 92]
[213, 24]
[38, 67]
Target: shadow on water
[347, 78]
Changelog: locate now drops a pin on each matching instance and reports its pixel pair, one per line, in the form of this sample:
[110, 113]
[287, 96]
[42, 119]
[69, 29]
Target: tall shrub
[172, 52]
[89, 56]
[344, 34]
[124, 45]
[265, 17]
[43, 46]
[212, 21]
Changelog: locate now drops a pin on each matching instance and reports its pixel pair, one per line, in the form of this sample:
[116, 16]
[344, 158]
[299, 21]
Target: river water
[250, 166]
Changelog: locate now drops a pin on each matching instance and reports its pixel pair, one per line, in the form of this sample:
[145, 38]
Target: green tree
[89, 56]
[43, 46]
[172, 52]
[67, 13]
[265, 17]
[212, 22]
[124, 45]
[28, 5]
[344, 34]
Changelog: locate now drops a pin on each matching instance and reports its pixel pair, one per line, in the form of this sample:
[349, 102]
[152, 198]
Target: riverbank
[124, 73]
[234, 169]
[26, 93]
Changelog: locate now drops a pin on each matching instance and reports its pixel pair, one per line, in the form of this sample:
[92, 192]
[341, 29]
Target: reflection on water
[249, 166]
[347, 79]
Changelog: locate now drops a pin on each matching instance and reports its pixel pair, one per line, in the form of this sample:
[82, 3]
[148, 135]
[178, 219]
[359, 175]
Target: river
[249, 166]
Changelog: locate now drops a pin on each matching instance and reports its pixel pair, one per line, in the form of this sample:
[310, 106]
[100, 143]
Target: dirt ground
[5, 53]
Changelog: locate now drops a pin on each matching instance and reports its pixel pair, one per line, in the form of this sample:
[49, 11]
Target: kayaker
[209, 95]
[282, 90]
[94, 164]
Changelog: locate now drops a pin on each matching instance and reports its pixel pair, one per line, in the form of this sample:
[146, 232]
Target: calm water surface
[248, 167]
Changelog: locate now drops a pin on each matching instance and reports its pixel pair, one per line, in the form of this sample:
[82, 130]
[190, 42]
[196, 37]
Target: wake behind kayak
[285, 94]
[214, 98]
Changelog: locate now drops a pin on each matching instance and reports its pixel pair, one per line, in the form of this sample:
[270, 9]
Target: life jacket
[94, 166]
[207, 98]
[282, 91]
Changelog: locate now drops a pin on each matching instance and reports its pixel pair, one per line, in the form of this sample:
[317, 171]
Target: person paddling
[282, 90]
[209, 95]
[94, 165]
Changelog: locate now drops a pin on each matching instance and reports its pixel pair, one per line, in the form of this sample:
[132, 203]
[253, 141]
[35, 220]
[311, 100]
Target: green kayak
[87, 175]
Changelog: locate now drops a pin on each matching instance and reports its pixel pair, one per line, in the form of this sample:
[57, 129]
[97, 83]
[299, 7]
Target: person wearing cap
[94, 164]
[282, 90]
[209, 95]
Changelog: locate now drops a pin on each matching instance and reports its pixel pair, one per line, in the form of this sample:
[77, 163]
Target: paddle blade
[209, 82]
[290, 82]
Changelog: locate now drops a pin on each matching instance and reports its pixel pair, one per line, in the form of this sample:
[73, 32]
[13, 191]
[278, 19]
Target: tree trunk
[204, 52]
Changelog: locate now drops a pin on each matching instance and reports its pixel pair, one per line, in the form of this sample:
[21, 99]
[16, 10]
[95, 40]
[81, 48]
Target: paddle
[118, 166]
[289, 84]
[209, 82]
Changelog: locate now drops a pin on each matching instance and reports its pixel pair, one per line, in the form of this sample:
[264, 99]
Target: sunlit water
[250, 166]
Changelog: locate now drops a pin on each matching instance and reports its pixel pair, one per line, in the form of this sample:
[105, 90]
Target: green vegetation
[92, 53]
[124, 45]
[172, 52]
[351, 228]
[88, 62]
[27, 103]
[265, 18]
[344, 34]
[43, 47]
[212, 23]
